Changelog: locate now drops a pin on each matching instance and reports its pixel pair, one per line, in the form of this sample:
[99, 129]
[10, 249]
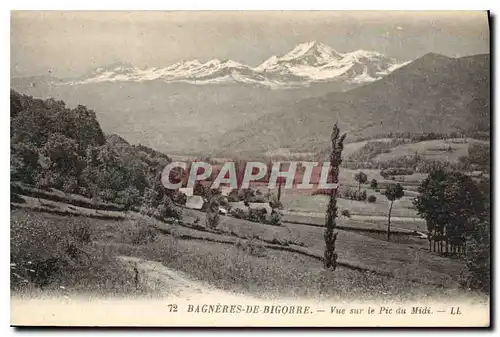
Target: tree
[330, 258]
[361, 178]
[213, 218]
[374, 184]
[476, 274]
[346, 213]
[452, 204]
[247, 195]
[392, 193]
[129, 197]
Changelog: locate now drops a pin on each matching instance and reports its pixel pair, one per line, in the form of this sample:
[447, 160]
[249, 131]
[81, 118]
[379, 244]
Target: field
[254, 259]
[243, 257]
[370, 215]
[441, 149]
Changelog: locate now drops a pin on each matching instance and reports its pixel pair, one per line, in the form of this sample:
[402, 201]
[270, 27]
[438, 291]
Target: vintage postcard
[280, 169]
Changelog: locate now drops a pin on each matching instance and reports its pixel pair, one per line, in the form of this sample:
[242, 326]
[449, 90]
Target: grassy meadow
[269, 273]
[238, 256]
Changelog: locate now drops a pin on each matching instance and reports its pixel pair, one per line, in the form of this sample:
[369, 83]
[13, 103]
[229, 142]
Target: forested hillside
[433, 94]
[53, 146]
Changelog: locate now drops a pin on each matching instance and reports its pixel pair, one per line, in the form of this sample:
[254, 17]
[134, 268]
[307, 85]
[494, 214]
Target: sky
[67, 44]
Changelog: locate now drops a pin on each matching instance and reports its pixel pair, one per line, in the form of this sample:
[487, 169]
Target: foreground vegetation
[123, 209]
[228, 266]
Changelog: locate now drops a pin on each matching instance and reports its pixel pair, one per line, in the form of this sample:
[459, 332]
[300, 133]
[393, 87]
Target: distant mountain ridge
[434, 93]
[306, 64]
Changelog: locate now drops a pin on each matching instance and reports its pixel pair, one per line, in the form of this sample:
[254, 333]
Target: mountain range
[307, 63]
[434, 93]
[366, 92]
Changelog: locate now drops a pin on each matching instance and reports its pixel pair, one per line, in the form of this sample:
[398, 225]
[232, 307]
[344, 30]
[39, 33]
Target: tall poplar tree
[330, 259]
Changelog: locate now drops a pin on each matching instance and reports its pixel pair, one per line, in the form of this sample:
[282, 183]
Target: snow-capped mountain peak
[306, 54]
[314, 61]
[315, 51]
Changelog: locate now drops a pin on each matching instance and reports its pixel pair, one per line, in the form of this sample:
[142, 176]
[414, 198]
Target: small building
[261, 205]
[195, 202]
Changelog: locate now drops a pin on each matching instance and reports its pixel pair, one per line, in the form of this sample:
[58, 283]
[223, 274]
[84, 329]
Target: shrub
[372, 199]
[320, 191]
[346, 213]
[352, 194]
[362, 197]
[237, 213]
[476, 274]
[257, 215]
[274, 219]
[167, 209]
[396, 171]
[212, 219]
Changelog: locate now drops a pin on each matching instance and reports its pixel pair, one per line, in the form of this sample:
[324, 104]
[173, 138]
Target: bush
[167, 209]
[274, 219]
[352, 194]
[237, 213]
[320, 191]
[212, 220]
[346, 213]
[396, 171]
[363, 196]
[476, 274]
[372, 199]
[257, 215]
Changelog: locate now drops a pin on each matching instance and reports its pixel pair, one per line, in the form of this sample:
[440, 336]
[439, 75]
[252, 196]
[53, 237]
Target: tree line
[53, 146]
[455, 206]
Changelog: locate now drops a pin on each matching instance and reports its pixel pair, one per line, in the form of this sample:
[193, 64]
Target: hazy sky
[71, 43]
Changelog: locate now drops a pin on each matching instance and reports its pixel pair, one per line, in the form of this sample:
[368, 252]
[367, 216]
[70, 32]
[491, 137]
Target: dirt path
[168, 282]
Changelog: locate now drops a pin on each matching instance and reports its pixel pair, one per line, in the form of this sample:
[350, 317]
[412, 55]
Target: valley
[402, 124]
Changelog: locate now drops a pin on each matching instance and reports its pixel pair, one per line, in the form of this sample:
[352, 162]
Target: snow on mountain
[307, 63]
[315, 62]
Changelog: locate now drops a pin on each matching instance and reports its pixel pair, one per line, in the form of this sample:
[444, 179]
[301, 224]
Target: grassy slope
[316, 204]
[431, 94]
[245, 229]
[277, 273]
[432, 149]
